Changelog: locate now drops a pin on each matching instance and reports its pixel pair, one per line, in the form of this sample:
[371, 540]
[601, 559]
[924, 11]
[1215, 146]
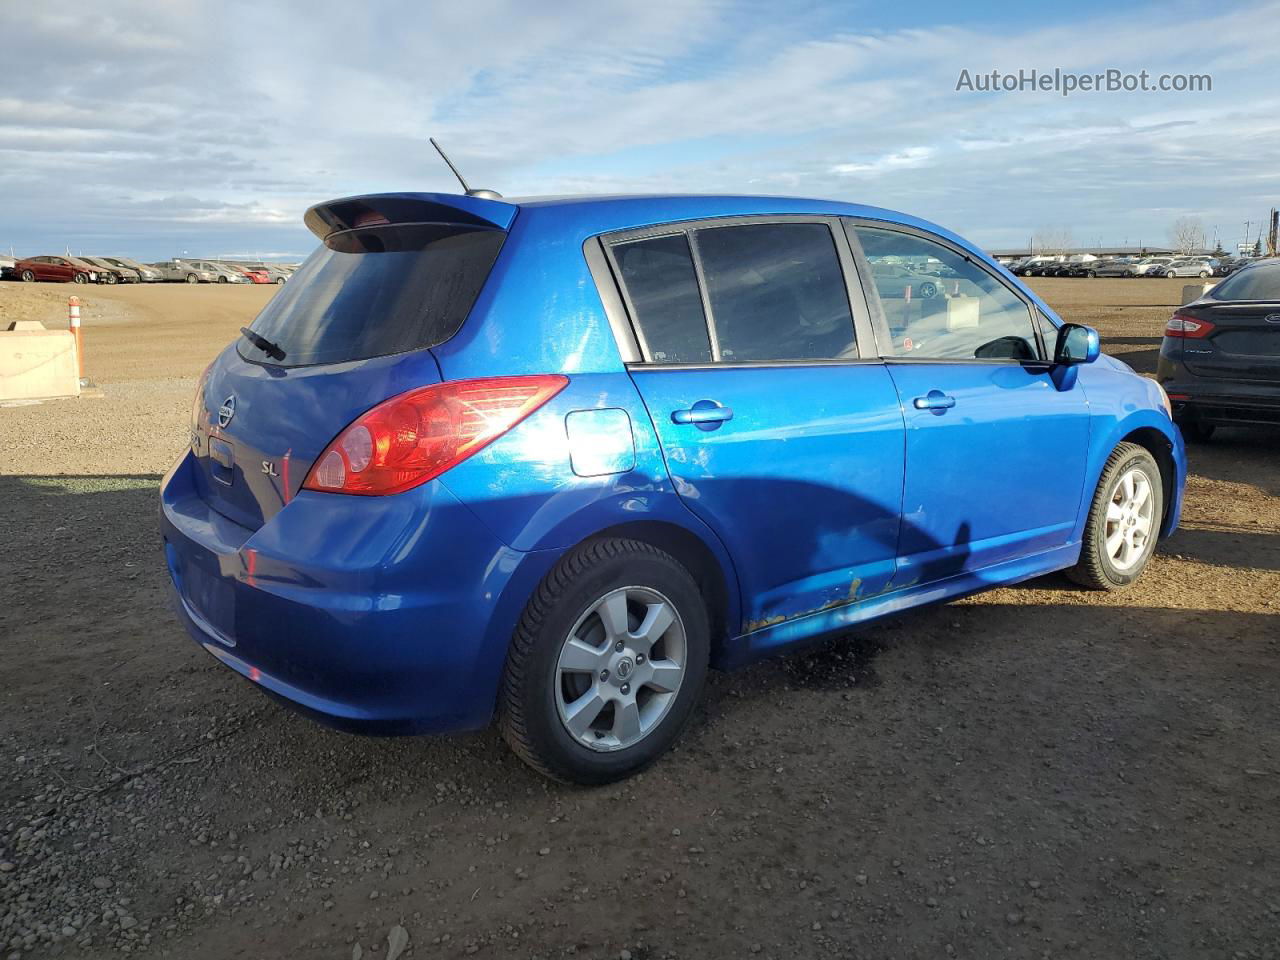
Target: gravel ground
[1034, 772]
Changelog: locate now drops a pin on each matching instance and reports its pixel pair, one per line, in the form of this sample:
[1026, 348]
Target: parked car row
[1083, 266]
[65, 268]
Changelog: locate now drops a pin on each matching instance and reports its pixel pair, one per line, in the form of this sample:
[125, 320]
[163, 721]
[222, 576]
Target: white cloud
[902, 160]
[234, 117]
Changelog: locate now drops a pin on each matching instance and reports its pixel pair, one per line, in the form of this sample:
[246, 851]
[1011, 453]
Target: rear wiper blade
[269, 347]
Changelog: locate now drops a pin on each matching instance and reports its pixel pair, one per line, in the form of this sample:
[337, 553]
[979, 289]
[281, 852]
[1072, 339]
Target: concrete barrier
[1194, 291]
[37, 364]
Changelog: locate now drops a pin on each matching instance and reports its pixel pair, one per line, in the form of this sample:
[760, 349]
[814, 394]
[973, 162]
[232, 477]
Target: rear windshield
[1251, 283]
[375, 291]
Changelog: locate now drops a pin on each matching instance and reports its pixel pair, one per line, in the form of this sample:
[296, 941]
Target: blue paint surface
[827, 500]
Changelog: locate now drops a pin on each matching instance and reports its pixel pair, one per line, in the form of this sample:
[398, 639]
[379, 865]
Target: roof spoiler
[377, 209]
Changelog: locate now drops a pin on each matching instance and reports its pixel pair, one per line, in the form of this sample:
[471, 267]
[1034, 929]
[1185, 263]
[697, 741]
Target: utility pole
[1275, 228]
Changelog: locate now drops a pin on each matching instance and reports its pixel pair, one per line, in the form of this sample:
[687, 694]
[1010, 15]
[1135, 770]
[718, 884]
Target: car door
[995, 452]
[780, 428]
[60, 269]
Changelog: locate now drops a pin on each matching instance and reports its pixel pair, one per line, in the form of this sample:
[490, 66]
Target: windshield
[375, 291]
[1252, 283]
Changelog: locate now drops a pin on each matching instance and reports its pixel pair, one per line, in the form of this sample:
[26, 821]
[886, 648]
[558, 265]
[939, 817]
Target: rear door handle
[705, 415]
[934, 400]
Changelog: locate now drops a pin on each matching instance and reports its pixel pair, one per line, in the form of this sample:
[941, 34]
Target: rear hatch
[1244, 342]
[396, 275]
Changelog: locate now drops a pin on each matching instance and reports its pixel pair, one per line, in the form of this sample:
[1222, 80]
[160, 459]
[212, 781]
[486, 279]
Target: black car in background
[1220, 358]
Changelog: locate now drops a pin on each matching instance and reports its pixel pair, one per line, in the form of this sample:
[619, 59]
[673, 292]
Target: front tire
[1171, 274]
[192, 278]
[606, 664]
[1124, 521]
[28, 276]
[928, 290]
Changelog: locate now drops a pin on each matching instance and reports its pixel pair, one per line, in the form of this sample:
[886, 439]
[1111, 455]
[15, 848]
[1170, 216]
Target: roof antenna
[484, 194]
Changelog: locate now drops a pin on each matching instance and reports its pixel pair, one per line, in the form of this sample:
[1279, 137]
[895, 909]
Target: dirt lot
[1035, 772]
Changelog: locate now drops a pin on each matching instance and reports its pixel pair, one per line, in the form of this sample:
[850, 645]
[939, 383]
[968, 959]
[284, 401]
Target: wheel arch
[711, 568]
[696, 556]
[1160, 446]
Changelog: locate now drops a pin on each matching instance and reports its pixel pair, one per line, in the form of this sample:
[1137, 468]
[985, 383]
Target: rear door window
[776, 292]
[375, 291]
[661, 285]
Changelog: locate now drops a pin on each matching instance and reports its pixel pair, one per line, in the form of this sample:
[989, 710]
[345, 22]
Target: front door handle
[705, 415]
[934, 400]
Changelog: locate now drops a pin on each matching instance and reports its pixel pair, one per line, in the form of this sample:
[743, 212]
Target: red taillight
[418, 435]
[1188, 328]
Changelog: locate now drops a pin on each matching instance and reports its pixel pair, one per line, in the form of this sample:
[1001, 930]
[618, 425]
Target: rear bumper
[1226, 409]
[376, 615]
[1215, 399]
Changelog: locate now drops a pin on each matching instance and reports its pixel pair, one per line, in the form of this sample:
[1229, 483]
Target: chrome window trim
[643, 367]
[626, 337]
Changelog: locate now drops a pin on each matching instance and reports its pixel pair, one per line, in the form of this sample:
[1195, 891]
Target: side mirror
[1076, 344]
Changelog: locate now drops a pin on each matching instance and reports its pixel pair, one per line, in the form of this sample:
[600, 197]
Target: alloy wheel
[620, 668]
[1130, 519]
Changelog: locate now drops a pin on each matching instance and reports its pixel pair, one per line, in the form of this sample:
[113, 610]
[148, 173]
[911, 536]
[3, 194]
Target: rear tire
[1171, 274]
[81, 278]
[928, 290]
[564, 707]
[112, 278]
[1124, 521]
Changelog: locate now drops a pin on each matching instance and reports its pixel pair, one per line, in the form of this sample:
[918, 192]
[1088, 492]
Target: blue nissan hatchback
[550, 460]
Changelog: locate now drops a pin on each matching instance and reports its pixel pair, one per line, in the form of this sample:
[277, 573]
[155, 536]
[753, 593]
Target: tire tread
[1089, 571]
[577, 563]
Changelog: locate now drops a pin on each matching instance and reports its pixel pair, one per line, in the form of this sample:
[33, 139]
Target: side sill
[802, 631]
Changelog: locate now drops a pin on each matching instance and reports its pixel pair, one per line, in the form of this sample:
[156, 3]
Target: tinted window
[776, 292]
[376, 291]
[938, 305]
[1254, 283]
[663, 290]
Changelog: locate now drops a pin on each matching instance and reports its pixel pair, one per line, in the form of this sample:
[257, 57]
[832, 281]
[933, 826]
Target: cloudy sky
[150, 129]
